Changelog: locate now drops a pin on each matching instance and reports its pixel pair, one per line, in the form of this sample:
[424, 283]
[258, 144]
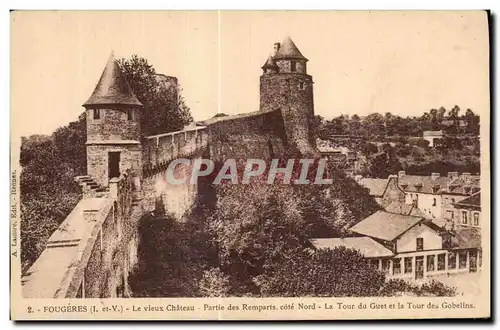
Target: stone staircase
[90, 187]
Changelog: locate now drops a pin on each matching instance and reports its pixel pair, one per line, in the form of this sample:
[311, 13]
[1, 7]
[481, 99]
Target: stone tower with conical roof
[113, 127]
[285, 85]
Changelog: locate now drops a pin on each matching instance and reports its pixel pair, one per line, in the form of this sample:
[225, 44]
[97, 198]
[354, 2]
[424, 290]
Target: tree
[338, 125]
[162, 111]
[472, 122]
[355, 125]
[369, 149]
[318, 127]
[440, 115]
[385, 163]
[172, 257]
[374, 125]
[279, 218]
[48, 191]
[454, 117]
[434, 120]
[339, 272]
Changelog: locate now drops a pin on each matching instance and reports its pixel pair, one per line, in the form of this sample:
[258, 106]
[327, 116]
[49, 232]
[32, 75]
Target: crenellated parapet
[160, 150]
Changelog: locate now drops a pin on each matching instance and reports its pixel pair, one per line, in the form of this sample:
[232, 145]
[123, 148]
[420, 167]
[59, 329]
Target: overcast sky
[361, 62]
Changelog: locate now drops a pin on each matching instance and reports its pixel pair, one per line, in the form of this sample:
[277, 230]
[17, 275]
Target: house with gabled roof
[433, 137]
[384, 191]
[470, 210]
[460, 188]
[409, 247]
[432, 196]
[424, 191]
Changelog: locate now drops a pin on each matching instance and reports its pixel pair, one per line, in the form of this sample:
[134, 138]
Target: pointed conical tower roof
[288, 50]
[112, 88]
[270, 64]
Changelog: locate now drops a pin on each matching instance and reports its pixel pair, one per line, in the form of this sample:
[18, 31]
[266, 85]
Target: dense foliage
[251, 231]
[161, 113]
[432, 288]
[339, 272]
[377, 127]
[415, 157]
[48, 192]
[252, 248]
[389, 143]
[172, 256]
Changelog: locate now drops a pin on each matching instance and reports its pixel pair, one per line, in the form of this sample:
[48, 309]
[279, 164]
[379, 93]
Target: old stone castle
[95, 248]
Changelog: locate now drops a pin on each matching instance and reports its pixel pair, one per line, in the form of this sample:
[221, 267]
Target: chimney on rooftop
[401, 174]
[277, 46]
[434, 176]
[466, 176]
[452, 175]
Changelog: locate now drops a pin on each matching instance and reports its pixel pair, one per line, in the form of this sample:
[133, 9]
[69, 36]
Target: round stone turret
[290, 89]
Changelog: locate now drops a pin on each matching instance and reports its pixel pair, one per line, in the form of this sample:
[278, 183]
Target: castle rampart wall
[254, 135]
[91, 247]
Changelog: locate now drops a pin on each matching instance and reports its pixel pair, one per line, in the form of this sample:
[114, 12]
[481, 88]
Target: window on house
[452, 260]
[386, 266]
[462, 259]
[453, 200]
[464, 218]
[97, 113]
[408, 265]
[293, 66]
[396, 266]
[431, 263]
[130, 114]
[441, 261]
[434, 202]
[476, 219]
[401, 198]
[302, 85]
[449, 214]
[420, 243]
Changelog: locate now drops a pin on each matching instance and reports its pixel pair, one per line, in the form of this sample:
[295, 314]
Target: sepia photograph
[250, 165]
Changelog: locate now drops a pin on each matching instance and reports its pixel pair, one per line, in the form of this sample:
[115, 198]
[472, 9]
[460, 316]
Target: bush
[340, 272]
[437, 288]
[214, 283]
[419, 142]
[433, 288]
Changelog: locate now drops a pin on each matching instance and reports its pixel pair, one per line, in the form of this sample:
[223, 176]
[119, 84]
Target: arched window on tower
[293, 66]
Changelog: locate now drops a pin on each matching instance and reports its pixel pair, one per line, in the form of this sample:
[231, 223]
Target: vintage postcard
[250, 165]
